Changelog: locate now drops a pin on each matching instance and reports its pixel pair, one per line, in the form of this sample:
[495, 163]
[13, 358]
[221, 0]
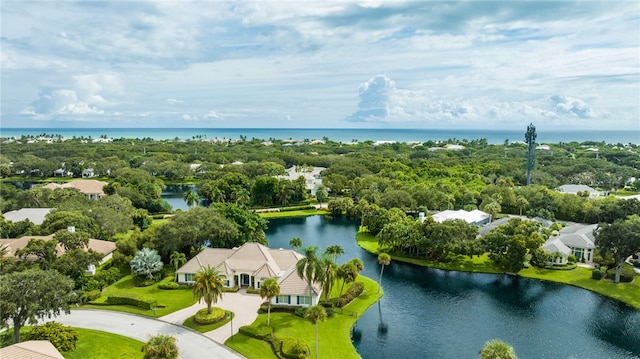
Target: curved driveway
[191, 344]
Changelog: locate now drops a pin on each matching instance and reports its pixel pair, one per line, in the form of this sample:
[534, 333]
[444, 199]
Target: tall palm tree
[295, 243]
[384, 259]
[269, 289]
[497, 349]
[310, 268]
[177, 259]
[522, 202]
[492, 208]
[348, 273]
[357, 262]
[208, 286]
[329, 276]
[334, 251]
[160, 347]
[191, 197]
[316, 314]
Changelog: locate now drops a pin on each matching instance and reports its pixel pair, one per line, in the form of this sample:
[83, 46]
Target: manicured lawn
[168, 300]
[97, 344]
[203, 328]
[628, 293]
[298, 213]
[334, 333]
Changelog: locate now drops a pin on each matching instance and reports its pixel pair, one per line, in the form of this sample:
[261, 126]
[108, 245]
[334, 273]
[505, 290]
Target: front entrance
[245, 280]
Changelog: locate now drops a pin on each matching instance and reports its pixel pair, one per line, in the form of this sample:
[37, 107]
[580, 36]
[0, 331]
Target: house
[34, 215]
[559, 251]
[31, 349]
[580, 239]
[475, 217]
[106, 248]
[579, 189]
[252, 263]
[88, 173]
[91, 188]
[312, 176]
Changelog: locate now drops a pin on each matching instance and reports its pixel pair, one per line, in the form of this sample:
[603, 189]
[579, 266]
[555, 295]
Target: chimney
[71, 229]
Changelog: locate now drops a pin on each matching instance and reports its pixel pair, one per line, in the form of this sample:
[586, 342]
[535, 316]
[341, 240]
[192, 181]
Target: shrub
[300, 311]
[90, 296]
[136, 301]
[571, 258]
[277, 308]
[232, 289]
[596, 274]
[261, 332]
[626, 276]
[202, 317]
[62, 337]
[352, 293]
[251, 290]
[293, 348]
[168, 285]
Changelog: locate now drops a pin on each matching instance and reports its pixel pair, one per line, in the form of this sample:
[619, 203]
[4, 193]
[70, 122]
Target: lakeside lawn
[296, 213]
[169, 301]
[334, 333]
[628, 293]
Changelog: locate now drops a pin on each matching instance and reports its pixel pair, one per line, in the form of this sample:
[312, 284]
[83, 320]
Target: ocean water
[339, 135]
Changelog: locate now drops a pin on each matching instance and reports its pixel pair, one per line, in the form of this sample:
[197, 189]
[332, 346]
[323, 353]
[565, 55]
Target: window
[578, 253]
[188, 277]
[227, 283]
[304, 300]
[258, 285]
[283, 299]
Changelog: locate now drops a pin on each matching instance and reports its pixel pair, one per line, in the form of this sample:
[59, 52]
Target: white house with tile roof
[559, 251]
[252, 263]
[93, 189]
[580, 239]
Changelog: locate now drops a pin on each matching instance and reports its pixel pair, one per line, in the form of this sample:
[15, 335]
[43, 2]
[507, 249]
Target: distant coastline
[338, 135]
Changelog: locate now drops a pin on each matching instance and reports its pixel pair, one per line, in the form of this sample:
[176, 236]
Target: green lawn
[98, 344]
[334, 333]
[628, 293]
[168, 300]
[298, 213]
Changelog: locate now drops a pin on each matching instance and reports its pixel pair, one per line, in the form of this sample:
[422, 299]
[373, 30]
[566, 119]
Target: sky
[320, 64]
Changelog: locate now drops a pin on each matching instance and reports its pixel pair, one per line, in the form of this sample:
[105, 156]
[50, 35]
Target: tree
[348, 274]
[269, 289]
[44, 251]
[316, 314]
[74, 263]
[310, 268]
[31, 295]
[530, 140]
[160, 346]
[492, 208]
[295, 243]
[334, 251]
[208, 286]
[177, 259]
[329, 275]
[321, 193]
[72, 239]
[522, 202]
[509, 243]
[497, 349]
[621, 239]
[62, 337]
[191, 198]
[384, 259]
[146, 262]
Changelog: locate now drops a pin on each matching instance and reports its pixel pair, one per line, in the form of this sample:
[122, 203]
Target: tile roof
[98, 245]
[578, 235]
[86, 186]
[553, 245]
[31, 349]
[35, 215]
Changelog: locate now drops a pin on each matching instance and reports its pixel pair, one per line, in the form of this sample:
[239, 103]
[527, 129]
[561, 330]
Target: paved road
[191, 344]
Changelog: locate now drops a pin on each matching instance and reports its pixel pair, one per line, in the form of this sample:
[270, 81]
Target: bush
[62, 337]
[168, 285]
[90, 296]
[277, 308]
[300, 311]
[293, 348]
[136, 301]
[202, 317]
[571, 258]
[596, 274]
[232, 289]
[352, 293]
[626, 276]
[261, 332]
[296, 208]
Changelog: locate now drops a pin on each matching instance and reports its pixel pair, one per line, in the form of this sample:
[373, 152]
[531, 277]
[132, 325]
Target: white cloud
[173, 101]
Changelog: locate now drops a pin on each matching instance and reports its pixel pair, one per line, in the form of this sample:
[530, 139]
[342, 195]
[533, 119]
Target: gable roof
[578, 235]
[35, 215]
[31, 349]
[553, 245]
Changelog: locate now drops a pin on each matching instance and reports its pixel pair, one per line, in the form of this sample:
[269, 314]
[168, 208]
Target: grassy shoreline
[628, 293]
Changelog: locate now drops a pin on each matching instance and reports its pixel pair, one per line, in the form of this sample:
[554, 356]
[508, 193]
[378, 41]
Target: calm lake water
[430, 313]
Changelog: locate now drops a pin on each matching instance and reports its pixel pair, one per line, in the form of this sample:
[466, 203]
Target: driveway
[244, 306]
[191, 344]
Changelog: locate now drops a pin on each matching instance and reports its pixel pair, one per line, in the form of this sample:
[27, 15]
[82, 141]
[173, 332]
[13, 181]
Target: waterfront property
[249, 265]
[90, 188]
[475, 217]
[312, 177]
[580, 240]
[560, 252]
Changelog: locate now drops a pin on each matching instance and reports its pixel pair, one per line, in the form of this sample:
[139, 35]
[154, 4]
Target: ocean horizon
[333, 134]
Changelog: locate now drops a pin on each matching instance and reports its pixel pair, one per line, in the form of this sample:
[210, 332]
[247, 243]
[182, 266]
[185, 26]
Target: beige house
[252, 263]
[31, 349]
[90, 188]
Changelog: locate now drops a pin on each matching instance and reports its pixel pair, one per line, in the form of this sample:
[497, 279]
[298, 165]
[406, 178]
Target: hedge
[90, 296]
[202, 317]
[352, 293]
[293, 348]
[136, 301]
[261, 332]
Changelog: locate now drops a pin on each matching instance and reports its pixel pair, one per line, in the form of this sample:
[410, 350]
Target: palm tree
[329, 275]
[160, 347]
[295, 243]
[191, 198]
[348, 273]
[177, 259]
[241, 195]
[269, 289]
[384, 259]
[208, 286]
[492, 208]
[334, 251]
[522, 202]
[146, 262]
[316, 314]
[357, 262]
[310, 268]
[497, 349]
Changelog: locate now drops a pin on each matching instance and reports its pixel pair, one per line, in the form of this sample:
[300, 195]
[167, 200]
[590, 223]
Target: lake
[431, 313]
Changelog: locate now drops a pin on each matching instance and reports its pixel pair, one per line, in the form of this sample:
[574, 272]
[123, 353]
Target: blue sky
[337, 64]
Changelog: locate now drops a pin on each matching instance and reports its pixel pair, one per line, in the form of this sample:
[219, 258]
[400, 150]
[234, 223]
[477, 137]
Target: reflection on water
[430, 313]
